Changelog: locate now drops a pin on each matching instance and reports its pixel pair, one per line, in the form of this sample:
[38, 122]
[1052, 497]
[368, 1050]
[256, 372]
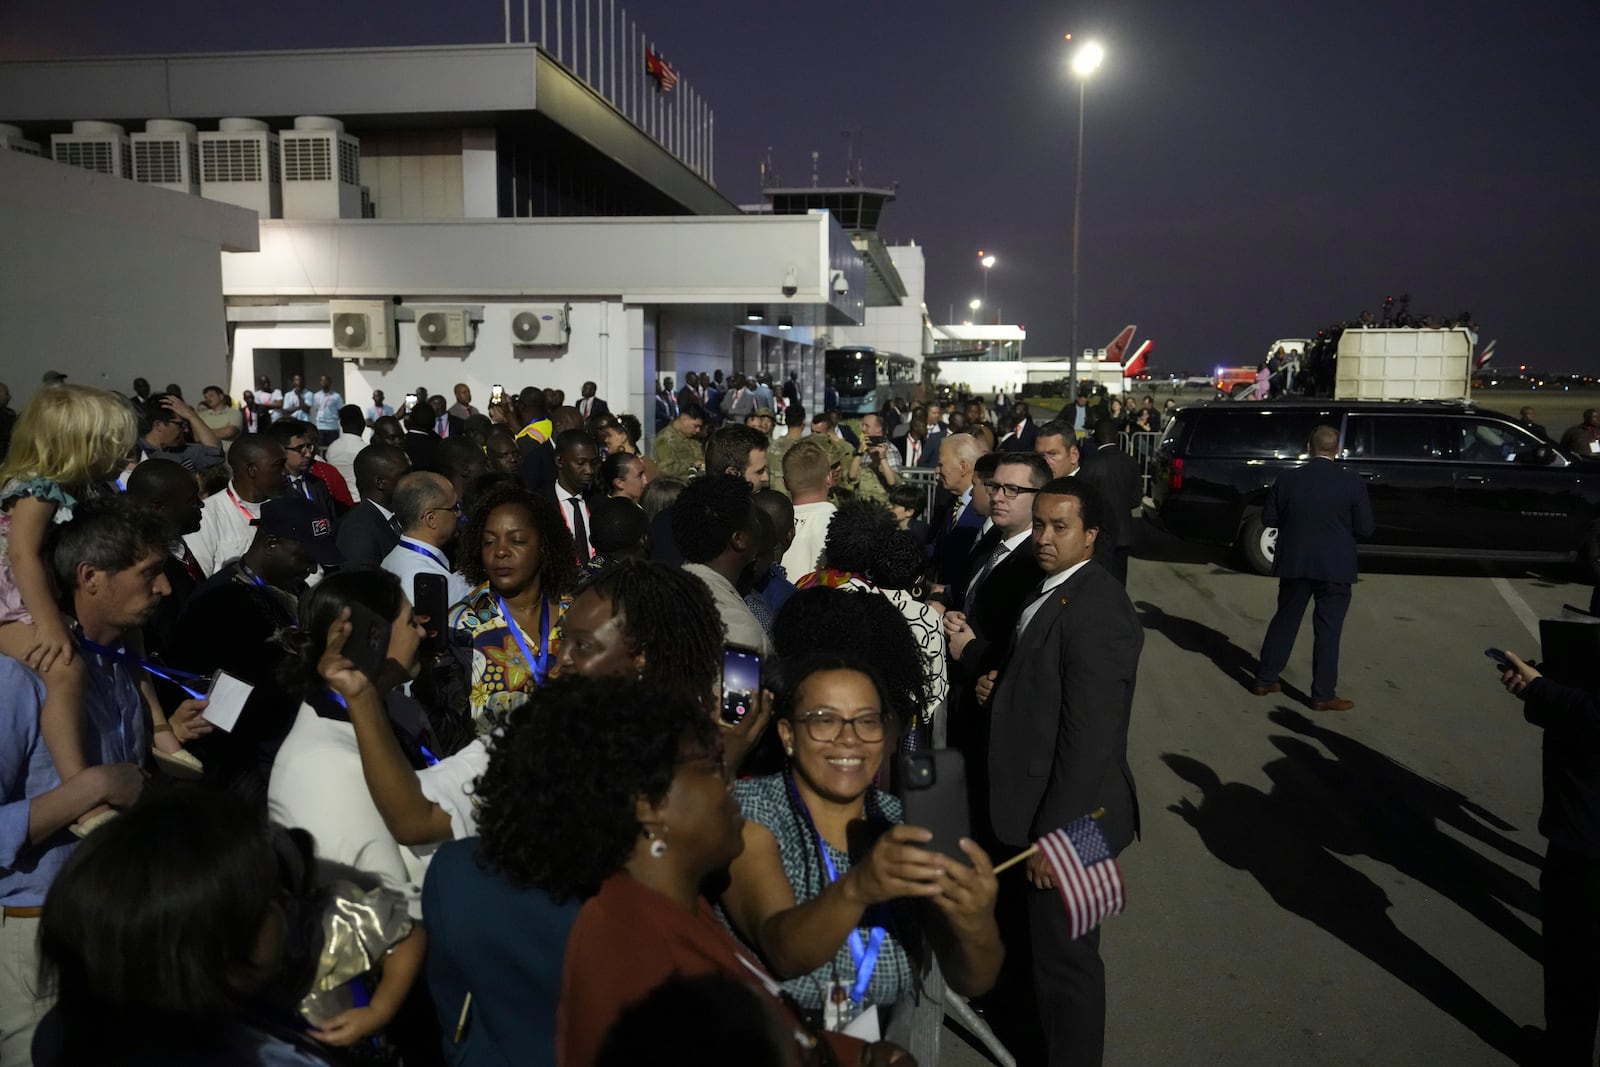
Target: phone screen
[497, 394]
[741, 682]
[431, 596]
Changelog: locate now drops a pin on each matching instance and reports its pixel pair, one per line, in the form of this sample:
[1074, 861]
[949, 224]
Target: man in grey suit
[1318, 510]
[1058, 750]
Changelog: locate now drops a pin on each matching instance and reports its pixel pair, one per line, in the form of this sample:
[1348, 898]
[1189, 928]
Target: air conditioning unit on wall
[540, 325]
[362, 329]
[444, 329]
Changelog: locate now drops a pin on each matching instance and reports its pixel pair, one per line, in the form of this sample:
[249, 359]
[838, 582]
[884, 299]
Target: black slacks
[1333, 602]
[1569, 892]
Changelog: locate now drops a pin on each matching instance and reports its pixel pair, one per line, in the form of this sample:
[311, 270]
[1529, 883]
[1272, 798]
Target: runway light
[1088, 59]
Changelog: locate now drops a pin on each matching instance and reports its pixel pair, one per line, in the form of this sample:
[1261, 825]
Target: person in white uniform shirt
[807, 468]
[715, 525]
[344, 449]
[429, 510]
[226, 520]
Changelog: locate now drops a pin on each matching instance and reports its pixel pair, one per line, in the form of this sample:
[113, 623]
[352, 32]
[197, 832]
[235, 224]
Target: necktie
[190, 566]
[580, 530]
[1000, 552]
[442, 427]
[394, 524]
[955, 513]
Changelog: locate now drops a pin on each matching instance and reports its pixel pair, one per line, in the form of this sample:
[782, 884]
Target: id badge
[835, 1007]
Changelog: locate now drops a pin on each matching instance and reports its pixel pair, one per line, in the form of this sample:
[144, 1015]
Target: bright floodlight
[988, 261]
[1087, 59]
[975, 304]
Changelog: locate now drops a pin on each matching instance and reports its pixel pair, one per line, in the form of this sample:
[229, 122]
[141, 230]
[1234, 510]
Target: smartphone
[933, 790]
[1501, 660]
[430, 595]
[741, 682]
[368, 646]
[496, 394]
[876, 439]
[411, 402]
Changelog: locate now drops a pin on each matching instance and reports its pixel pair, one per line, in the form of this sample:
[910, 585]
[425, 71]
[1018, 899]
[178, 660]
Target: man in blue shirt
[111, 560]
[325, 405]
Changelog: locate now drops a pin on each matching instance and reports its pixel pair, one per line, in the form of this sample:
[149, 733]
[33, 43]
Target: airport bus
[867, 379]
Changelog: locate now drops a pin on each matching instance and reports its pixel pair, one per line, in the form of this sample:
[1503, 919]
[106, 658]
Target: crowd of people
[343, 734]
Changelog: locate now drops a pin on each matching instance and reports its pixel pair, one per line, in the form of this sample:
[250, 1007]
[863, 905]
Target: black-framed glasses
[1007, 490]
[456, 507]
[827, 726]
[305, 450]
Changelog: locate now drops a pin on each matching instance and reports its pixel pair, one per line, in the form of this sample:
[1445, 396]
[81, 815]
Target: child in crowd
[907, 502]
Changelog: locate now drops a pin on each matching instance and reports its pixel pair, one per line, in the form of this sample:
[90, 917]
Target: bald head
[1325, 442]
[378, 469]
[156, 481]
[417, 495]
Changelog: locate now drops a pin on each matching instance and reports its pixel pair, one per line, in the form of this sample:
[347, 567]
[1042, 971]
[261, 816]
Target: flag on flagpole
[1136, 363]
[657, 68]
[1086, 873]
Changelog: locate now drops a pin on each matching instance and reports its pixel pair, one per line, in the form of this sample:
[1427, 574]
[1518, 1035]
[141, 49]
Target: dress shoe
[1336, 704]
[1267, 690]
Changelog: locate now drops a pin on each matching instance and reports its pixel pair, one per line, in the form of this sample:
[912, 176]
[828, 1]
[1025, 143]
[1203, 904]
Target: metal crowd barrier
[927, 481]
[1142, 447]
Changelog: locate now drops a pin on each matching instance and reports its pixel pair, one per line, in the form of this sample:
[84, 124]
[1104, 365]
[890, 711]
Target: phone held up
[430, 593]
[1501, 660]
[496, 394]
[933, 791]
[368, 646]
[741, 682]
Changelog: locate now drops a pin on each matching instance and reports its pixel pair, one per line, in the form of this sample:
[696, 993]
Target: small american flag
[657, 68]
[1086, 873]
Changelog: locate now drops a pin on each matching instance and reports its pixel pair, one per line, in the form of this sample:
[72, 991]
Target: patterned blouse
[502, 679]
[766, 800]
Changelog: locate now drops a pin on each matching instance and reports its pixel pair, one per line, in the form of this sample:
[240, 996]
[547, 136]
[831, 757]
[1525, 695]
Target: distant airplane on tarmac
[1119, 347]
[1481, 361]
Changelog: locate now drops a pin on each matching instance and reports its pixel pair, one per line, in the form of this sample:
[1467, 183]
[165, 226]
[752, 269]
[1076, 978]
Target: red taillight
[1175, 474]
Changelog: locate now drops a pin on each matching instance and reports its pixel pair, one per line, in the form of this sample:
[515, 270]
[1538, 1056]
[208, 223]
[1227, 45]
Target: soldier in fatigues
[840, 453]
[877, 466]
[678, 450]
[794, 421]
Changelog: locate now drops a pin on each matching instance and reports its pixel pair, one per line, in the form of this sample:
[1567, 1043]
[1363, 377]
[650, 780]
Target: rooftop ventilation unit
[239, 165]
[167, 154]
[444, 329]
[11, 140]
[321, 170]
[102, 147]
[362, 329]
[540, 326]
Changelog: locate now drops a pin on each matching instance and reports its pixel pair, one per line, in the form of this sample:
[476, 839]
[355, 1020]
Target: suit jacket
[426, 451]
[935, 438]
[1021, 441]
[1121, 483]
[927, 459]
[538, 470]
[365, 536]
[458, 425]
[1058, 741]
[1319, 510]
[994, 612]
[952, 544]
[318, 494]
[598, 410]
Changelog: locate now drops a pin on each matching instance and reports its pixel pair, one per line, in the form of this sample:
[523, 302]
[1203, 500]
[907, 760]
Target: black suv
[1445, 479]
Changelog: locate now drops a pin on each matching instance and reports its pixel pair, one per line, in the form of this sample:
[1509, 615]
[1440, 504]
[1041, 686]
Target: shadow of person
[1266, 835]
[1364, 803]
[1237, 663]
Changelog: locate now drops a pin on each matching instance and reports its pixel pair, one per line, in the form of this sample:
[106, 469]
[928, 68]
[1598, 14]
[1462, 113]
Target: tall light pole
[1085, 61]
[987, 262]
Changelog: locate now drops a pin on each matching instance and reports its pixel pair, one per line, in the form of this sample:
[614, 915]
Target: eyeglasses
[305, 450]
[1007, 490]
[826, 726]
[456, 507]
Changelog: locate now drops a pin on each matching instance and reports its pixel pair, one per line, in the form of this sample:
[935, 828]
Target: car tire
[1258, 543]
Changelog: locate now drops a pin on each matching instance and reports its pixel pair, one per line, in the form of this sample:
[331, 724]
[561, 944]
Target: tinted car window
[1257, 434]
[1394, 437]
[1487, 441]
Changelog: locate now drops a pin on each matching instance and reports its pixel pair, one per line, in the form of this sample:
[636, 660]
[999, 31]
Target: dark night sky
[1253, 169]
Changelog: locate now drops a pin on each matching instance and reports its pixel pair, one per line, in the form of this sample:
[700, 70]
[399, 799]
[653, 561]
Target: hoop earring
[658, 845]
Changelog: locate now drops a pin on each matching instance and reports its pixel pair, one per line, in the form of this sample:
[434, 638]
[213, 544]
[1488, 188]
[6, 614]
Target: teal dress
[766, 800]
[12, 609]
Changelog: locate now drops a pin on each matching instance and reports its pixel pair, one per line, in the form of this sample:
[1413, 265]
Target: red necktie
[190, 566]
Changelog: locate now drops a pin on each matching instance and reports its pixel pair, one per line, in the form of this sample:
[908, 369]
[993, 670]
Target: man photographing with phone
[1569, 884]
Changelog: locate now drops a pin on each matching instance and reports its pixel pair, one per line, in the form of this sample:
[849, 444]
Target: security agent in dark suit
[422, 445]
[1121, 483]
[1059, 713]
[1023, 432]
[370, 530]
[1318, 510]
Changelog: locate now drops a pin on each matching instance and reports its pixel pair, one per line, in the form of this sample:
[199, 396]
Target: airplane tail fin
[1119, 344]
[1484, 357]
[1136, 361]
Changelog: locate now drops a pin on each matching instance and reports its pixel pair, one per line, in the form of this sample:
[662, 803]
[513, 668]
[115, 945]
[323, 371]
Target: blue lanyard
[863, 956]
[170, 674]
[273, 605]
[537, 667]
[421, 551]
[427, 757]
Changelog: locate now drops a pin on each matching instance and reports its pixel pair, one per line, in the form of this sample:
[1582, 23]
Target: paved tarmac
[1316, 888]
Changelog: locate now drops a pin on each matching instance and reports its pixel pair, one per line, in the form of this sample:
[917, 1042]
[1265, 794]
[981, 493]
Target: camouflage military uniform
[870, 486]
[678, 454]
[775, 460]
[840, 453]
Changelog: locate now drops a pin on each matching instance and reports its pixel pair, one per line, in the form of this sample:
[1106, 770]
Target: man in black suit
[577, 456]
[445, 425]
[421, 444]
[912, 441]
[591, 406]
[299, 441]
[1116, 474]
[176, 493]
[1023, 432]
[1318, 510]
[370, 530]
[1526, 421]
[1060, 708]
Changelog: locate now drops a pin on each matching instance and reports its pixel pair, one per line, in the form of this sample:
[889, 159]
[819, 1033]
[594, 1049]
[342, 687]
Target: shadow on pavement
[1286, 840]
[1239, 664]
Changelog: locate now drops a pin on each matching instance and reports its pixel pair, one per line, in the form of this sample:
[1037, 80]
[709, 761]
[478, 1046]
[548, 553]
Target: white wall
[894, 329]
[106, 280]
[415, 174]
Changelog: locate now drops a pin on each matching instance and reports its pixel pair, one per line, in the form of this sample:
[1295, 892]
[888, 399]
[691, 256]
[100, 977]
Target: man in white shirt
[378, 409]
[714, 522]
[343, 450]
[269, 399]
[429, 511]
[806, 472]
[296, 404]
[227, 518]
[576, 460]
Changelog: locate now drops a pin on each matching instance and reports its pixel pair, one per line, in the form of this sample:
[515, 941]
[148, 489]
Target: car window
[1268, 434]
[1475, 440]
[1394, 437]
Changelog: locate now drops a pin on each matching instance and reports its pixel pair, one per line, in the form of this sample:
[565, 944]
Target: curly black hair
[900, 561]
[709, 511]
[856, 535]
[865, 626]
[558, 567]
[787, 681]
[557, 805]
[668, 615]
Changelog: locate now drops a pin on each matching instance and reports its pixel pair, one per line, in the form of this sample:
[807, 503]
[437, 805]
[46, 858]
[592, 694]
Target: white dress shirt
[570, 503]
[342, 455]
[225, 530]
[412, 557]
[1050, 584]
[449, 783]
[997, 557]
